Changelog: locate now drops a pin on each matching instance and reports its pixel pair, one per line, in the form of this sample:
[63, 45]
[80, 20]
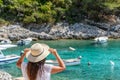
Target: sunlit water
[98, 55]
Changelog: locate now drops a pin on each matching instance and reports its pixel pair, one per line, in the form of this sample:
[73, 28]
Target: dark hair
[32, 69]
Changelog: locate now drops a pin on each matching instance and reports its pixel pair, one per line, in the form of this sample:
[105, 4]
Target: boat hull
[8, 60]
[24, 41]
[101, 40]
[67, 63]
[7, 45]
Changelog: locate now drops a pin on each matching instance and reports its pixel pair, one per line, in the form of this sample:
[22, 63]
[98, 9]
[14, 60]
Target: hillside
[53, 11]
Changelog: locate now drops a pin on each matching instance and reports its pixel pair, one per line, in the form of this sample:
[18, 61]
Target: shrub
[29, 19]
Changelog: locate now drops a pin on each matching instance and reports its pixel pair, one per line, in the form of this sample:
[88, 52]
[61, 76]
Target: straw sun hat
[37, 52]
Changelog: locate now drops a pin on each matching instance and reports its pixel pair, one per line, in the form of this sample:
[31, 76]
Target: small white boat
[112, 63]
[7, 45]
[8, 59]
[24, 41]
[101, 39]
[2, 48]
[68, 62]
[71, 48]
[6, 41]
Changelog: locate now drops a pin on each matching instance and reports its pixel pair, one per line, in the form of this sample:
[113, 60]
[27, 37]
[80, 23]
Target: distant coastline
[82, 31]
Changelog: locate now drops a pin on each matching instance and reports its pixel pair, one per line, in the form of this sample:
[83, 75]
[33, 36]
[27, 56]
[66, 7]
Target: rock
[13, 37]
[114, 35]
[5, 76]
[34, 39]
[115, 28]
[3, 35]
[43, 35]
[61, 31]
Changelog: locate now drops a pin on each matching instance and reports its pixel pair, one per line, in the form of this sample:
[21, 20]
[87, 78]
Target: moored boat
[7, 45]
[6, 41]
[68, 62]
[24, 41]
[8, 58]
[2, 48]
[103, 39]
[71, 48]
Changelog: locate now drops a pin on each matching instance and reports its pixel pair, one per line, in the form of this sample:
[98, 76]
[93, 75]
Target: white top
[45, 75]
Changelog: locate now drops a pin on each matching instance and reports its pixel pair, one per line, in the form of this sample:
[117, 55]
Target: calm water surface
[98, 55]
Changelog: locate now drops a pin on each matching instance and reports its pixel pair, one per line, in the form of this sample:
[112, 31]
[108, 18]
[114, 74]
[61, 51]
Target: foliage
[51, 11]
[90, 9]
[3, 22]
[29, 19]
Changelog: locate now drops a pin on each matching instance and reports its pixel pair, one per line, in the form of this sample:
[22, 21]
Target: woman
[36, 69]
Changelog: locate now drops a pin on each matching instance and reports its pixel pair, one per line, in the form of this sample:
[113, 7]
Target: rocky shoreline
[87, 30]
[5, 76]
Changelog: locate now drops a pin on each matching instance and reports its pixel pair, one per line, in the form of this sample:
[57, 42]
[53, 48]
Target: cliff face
[61, 31]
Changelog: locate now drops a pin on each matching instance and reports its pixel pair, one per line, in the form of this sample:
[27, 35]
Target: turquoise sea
[98, 55]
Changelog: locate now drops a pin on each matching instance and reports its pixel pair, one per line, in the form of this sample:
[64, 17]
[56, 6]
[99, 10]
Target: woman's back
[45, 74]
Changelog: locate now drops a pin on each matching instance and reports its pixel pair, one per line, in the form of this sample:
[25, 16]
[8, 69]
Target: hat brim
[32, 58]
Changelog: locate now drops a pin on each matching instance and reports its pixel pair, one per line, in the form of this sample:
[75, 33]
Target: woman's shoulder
[48, 67]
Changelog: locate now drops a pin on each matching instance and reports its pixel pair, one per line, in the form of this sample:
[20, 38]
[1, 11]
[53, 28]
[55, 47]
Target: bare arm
[61, 67]
[21, 59]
